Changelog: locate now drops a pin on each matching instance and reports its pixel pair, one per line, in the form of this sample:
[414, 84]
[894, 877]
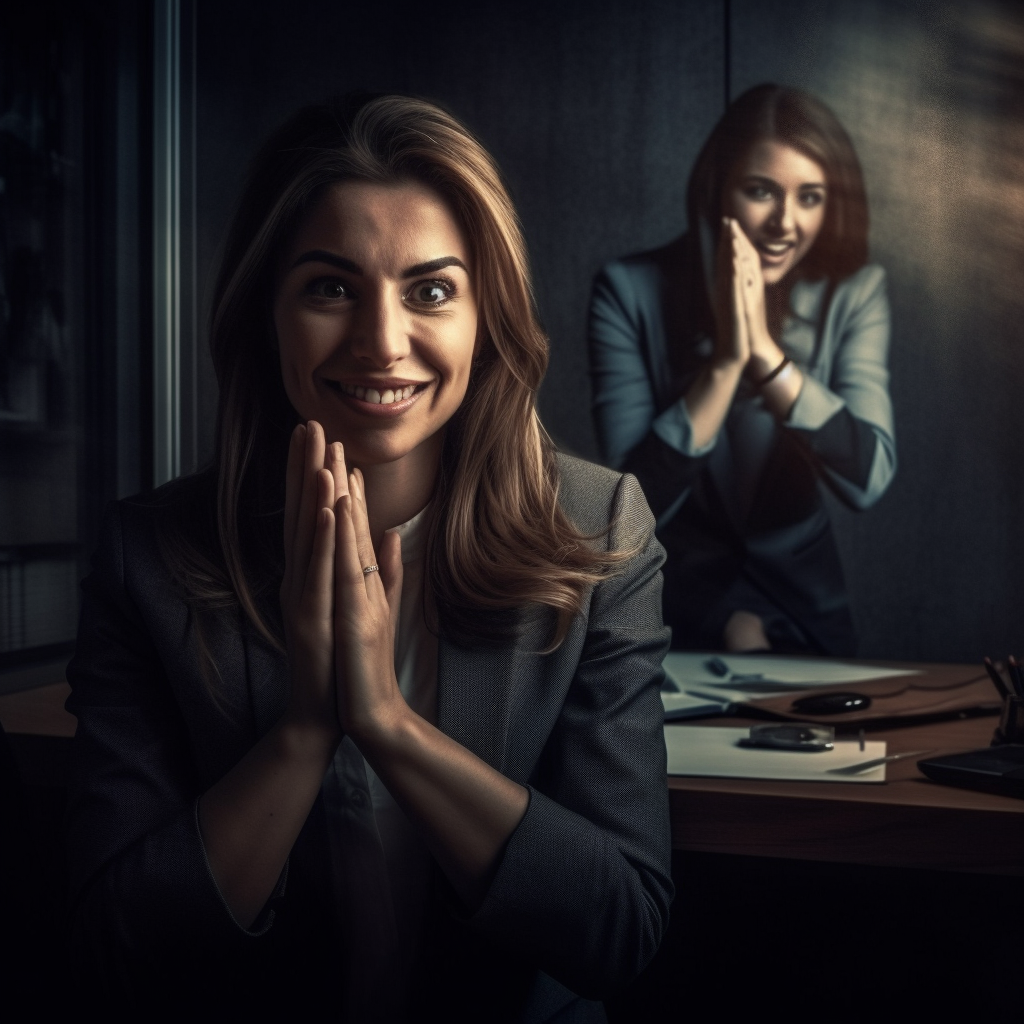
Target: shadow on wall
[933, 96]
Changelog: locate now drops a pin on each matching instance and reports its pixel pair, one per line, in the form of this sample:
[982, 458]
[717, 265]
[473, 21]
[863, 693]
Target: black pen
[994, 675]
[1015, 676]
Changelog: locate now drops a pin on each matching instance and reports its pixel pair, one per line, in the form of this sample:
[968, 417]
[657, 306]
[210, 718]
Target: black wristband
[771, 376]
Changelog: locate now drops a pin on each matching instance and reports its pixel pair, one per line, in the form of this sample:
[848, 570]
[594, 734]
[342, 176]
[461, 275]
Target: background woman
[741, 367]
[409, 759]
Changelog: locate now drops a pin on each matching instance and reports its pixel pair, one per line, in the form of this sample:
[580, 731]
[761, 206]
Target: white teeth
[388, 397]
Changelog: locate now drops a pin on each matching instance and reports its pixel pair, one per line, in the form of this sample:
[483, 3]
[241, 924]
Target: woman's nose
[785, 218]
[378, 331]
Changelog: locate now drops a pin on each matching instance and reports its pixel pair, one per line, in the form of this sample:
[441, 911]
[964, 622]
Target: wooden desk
[908, 821]
[38, 712]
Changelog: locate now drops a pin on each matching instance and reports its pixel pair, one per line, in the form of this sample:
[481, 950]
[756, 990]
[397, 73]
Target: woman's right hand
[249, 820]
[316, 479]
[732, 347]
[710, 396]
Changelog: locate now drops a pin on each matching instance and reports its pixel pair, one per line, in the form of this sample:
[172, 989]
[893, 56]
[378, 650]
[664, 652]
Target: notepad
[716, 753]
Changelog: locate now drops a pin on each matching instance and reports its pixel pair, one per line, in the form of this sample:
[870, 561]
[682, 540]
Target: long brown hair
[499, 540]
[799, 120]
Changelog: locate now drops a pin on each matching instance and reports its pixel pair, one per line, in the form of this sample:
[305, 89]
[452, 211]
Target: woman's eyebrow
[765, 180]
[432, 265]
[323, 256]
[761, 179]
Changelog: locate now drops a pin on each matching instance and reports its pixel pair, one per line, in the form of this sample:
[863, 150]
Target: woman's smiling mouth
[394, 398]
[775, 251]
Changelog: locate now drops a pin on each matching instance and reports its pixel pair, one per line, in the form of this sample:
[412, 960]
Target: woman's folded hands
[340, 620]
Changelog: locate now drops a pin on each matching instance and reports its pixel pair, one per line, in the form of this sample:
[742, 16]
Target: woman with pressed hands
[407, 764]
[743, 366]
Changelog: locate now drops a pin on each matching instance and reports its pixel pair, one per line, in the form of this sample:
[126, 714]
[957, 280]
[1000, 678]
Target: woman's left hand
[780, 393]
[365, 619]
[765, 354]
[465, 809]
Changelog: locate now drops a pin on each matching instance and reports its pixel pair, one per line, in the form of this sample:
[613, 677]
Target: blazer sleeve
[657, 448]
[585, 883]
[847, 425]
[140, 883]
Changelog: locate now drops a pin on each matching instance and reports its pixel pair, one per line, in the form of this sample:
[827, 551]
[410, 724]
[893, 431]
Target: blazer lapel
[474, 690]
[501, 703]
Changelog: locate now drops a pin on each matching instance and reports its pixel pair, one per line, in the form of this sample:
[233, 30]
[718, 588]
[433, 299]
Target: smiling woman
[376, 324]
[777, 196]
[368, 714]
[743, 367]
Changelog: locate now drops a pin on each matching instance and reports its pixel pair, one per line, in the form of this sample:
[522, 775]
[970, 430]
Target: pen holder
[1011, 722]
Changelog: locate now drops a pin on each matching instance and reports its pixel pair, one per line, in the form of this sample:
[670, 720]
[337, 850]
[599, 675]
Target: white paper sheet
[714, 752]
[750, 673]
[688, 705]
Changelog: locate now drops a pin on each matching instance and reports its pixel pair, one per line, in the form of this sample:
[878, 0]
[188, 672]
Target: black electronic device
[993, 770]
[831, 703]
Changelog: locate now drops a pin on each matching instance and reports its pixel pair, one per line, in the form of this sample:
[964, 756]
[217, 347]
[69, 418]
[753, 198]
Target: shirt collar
[414, 535]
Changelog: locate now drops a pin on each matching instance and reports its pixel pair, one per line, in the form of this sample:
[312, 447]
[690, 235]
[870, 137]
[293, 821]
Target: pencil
[1015, 676]
[997, 679]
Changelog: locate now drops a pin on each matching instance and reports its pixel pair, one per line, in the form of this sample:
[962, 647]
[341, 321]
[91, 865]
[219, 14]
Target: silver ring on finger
[367, 569]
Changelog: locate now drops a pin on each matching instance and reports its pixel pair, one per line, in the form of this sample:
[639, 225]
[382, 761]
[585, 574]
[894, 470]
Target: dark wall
[595, 112]
[933, 96]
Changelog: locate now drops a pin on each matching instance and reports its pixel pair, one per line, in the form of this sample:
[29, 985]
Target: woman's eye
[327, 288]
[759, 193]
[811, 199]
[431, 293]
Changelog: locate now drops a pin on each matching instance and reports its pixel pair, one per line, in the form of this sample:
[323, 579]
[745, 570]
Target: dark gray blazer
[583, 889]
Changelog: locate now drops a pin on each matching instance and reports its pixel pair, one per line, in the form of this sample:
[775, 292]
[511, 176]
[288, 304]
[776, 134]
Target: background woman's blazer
[745, 511]
[583, 888]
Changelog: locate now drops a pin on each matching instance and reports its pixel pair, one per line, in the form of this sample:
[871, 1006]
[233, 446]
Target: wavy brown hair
[499, 539]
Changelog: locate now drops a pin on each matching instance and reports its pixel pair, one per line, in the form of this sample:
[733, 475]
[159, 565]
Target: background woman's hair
[499, 540]
[799, 120]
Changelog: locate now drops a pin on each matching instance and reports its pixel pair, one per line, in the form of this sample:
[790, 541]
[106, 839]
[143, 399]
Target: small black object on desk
[799, 736]
[831, 703]
[992, 770]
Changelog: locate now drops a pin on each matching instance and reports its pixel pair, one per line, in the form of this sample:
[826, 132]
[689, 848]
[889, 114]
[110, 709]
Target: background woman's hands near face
[765, 354]
[731, 321]
[316, 478]
[750, 281]
[365, 618]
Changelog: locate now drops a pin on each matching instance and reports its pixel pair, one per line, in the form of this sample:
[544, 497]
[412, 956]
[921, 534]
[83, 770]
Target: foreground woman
[742, 369]
[407, 764]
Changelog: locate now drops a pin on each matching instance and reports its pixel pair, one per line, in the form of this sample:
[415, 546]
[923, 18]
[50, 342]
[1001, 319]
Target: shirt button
[358, 798]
